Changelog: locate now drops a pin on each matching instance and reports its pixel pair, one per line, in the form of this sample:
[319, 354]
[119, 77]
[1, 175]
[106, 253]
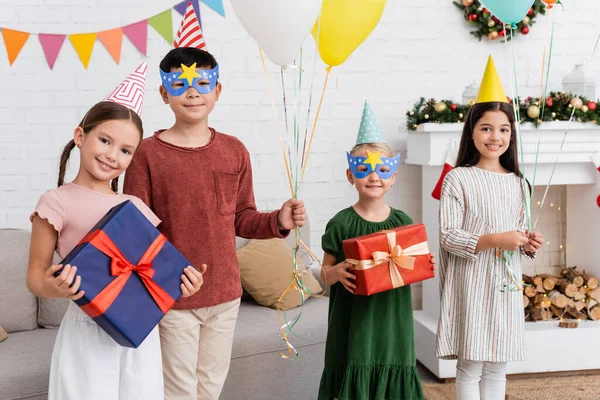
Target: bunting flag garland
[111, 39]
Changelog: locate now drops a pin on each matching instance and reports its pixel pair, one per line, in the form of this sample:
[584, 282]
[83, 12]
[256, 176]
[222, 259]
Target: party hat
[369, 131]
[491, 87]
[130, 92]
[189, 33]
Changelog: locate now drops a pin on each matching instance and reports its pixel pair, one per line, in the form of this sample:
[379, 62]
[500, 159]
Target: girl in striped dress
[482, 234]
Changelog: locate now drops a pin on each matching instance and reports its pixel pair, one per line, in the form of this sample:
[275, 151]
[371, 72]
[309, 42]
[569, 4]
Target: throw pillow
[266, 270]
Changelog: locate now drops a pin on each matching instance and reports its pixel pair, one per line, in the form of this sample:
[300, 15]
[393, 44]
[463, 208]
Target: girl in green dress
[370, 352]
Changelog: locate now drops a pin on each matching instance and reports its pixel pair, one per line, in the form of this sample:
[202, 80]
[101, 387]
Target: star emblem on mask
[373, 159]
[189, 73]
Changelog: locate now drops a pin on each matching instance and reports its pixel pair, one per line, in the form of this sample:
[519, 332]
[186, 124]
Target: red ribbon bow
[122, 269]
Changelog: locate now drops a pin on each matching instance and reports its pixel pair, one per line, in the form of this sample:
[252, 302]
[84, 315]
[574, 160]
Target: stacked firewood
[573, 295]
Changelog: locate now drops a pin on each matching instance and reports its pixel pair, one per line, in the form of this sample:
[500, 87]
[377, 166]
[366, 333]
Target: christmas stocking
[449, 164]
[596, 160]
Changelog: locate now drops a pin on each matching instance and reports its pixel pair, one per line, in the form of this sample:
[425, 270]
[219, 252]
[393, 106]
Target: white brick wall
[420, 48]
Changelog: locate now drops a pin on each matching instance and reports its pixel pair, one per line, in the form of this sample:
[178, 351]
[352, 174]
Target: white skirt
[88, 364]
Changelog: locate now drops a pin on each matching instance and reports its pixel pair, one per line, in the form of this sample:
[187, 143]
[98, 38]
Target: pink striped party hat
[130, 92]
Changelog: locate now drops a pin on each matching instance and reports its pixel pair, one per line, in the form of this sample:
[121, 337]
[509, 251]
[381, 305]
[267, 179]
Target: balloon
[508, 11]
[550, 3]
[278, 26]
[344, 25]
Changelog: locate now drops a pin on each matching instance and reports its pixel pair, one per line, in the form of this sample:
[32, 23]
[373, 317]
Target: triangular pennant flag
[449, 164]
[369, 131]
[130, 92]
[216, 5]
[182, 7]
[14, 42]
[490, 89]
[83, 43]
[163, 24]
[51, 44]
[112, 40]
[189, 33]
[138, 34]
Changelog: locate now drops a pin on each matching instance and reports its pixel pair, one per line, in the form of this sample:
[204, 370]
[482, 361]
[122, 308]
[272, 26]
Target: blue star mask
[361, 167]
[176, 83]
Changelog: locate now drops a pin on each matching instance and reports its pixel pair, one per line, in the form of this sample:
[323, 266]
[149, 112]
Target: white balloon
[278, 26]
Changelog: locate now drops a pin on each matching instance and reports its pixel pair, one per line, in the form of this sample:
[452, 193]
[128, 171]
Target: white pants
[196, 349]
[491, 374]
[88, 364]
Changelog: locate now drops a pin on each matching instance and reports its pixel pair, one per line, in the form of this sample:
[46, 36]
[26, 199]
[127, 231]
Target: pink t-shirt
[73, 210]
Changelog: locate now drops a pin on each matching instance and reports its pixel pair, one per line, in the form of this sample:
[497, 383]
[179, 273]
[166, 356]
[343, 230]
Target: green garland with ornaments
[558, 106]
[490, 27]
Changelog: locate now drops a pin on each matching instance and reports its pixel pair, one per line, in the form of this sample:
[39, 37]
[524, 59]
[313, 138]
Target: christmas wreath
[558, 106]
[491, 27]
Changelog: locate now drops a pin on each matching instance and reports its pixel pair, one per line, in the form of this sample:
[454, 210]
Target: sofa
[257, 369]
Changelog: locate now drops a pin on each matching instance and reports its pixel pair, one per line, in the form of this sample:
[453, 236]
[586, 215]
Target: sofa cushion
[25, 363]
[266, 269]
[257, 329]
[51, 312]
[18, 307]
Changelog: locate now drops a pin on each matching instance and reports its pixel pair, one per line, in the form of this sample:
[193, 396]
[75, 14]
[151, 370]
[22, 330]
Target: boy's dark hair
[99, 113]
[187, 56]
[468, 155]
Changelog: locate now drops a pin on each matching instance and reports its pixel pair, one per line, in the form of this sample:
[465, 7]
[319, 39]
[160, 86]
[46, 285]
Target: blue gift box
[137, 289]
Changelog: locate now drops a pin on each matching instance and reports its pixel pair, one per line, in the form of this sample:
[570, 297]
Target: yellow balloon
[344, 25]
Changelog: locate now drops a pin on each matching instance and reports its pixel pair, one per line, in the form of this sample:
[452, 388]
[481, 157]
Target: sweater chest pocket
[226, 190]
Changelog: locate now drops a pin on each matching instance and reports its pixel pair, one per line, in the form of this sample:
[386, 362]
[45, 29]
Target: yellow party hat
[491, 87]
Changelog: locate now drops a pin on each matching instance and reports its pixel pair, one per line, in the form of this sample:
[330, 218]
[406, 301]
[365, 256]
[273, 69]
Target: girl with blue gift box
[86, 362]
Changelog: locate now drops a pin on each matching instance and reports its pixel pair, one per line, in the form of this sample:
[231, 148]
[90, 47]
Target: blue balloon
[508, 11]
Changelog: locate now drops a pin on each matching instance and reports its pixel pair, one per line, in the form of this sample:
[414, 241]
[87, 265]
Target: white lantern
[470, 92]
[578, 83]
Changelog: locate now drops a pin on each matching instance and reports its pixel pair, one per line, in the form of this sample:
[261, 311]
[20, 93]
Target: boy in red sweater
[199, 183]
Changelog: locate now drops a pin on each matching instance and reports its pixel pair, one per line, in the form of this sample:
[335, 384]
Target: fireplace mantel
[428, 146]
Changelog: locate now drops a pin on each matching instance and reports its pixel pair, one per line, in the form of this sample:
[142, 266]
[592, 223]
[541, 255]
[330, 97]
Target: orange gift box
[389, 259]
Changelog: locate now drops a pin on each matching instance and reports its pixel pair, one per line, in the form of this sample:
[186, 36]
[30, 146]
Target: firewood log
[590, 282]
[558, 299]
[589, 303]
[558, 312]
[538, 280]
[525, 301]
[567, 288]
[573, 275]
[580, 305]
[549, 282]
[594, 313]
[580, 295]
[541, 314]
[594, 294]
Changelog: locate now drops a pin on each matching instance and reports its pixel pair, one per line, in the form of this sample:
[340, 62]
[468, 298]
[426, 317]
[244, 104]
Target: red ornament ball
[485, 10]
[549, 102]
[525, 30]
[530, 12]
[453, 107]
[501, 32]
[591, 105]
[473, 17]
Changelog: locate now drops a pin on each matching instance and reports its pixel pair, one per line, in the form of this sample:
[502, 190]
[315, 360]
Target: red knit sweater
[204, 198]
